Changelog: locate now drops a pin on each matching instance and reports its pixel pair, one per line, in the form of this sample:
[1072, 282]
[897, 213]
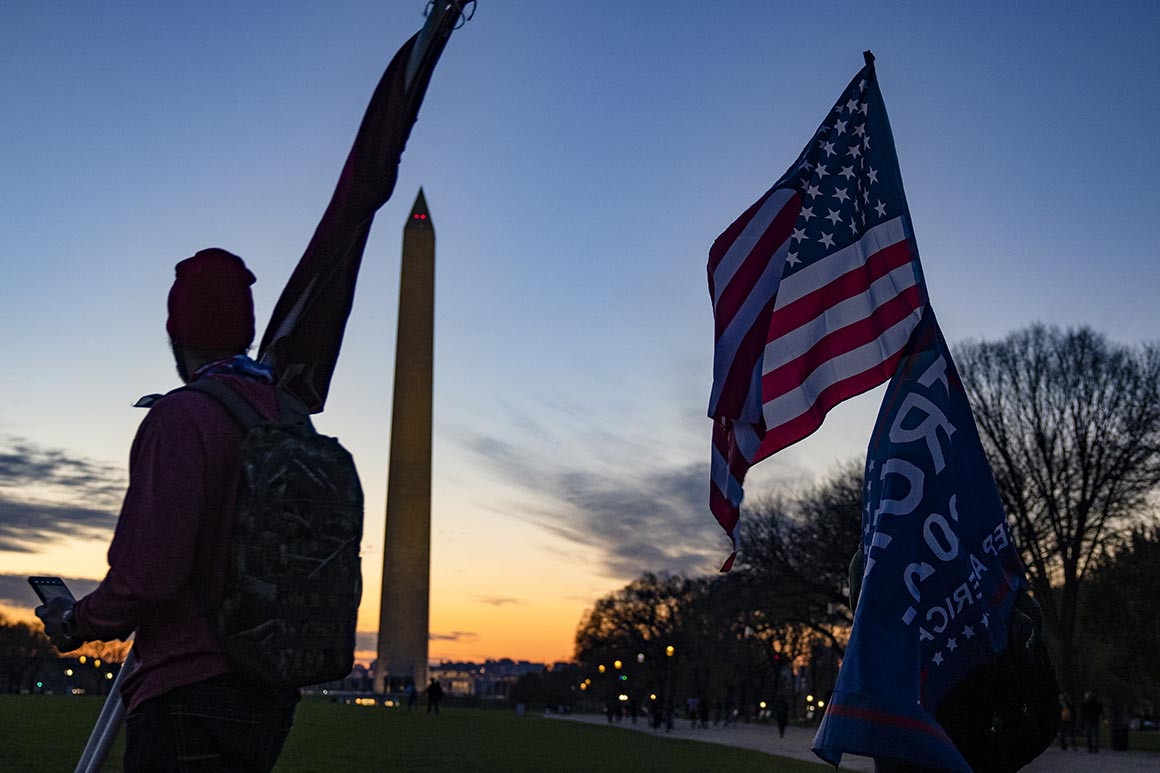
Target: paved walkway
[796, 745]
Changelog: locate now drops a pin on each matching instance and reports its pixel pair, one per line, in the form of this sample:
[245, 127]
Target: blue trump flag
[941, 572]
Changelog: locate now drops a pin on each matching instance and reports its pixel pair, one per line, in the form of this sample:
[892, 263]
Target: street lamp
[617, 664]
[669, 650]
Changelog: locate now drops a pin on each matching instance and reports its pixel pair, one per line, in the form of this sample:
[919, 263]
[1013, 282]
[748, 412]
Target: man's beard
[179, 359]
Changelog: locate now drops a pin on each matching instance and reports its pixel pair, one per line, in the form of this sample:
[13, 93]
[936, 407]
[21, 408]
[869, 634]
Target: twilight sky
[578, 160]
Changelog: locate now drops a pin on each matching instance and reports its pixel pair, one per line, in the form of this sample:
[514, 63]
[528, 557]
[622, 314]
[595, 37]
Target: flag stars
[841, 195]
[864, 108]
[847, 172]
[827, 240]
[860, 130]
[813, 191]
[840, 127]
[829, 148]
[968, 631]
[880, 208]
[799, 234]
[938, 658]
[822, 171]
[834, 217]
[852, 105]
[855, 151]
[986, 621]
[792, 259]
[952, 645]
[871, 174]
[866, 142]
[807, 213]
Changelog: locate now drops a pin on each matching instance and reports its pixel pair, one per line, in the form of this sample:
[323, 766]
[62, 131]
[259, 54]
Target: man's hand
[57, 616]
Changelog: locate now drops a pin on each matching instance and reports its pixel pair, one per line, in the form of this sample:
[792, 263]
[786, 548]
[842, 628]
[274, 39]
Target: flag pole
[869, 57]
[108, 723]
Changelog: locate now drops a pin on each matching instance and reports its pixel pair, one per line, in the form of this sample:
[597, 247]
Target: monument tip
[419, 212]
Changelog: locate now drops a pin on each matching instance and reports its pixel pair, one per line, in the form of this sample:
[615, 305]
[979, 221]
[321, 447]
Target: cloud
[368, 641]
[637, 517]
[25, 464]
[47, 494]
[498, 601]
[15, 591]
[461, 637]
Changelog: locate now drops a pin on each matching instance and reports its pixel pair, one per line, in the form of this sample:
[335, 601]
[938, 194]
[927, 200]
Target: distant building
[492, 679]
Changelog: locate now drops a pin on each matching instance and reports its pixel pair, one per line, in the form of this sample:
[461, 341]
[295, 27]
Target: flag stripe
[835, 370]
[810, 278]
[723, 477]
[843, 302]
[730, 236]
[739, 348]
[751, 278]
[885, 718]
[777, 214]
[828, 342]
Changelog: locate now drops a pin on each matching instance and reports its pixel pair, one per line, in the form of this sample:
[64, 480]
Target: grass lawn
[45, 733]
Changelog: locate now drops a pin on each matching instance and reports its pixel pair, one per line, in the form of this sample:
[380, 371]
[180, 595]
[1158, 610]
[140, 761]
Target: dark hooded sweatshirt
[168, 558]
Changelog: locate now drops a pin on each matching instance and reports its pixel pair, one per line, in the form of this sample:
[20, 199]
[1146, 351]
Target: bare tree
[796, 554]
[1071, 423]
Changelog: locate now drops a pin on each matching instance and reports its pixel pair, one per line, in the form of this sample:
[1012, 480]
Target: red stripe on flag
[745, 278]
[790, 432]
[723, 242]
[852, 283]
[739, 378]
[837, 342]
[884, 718]
[725, 513]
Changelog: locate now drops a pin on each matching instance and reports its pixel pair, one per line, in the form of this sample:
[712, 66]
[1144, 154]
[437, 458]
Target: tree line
[1071, 424]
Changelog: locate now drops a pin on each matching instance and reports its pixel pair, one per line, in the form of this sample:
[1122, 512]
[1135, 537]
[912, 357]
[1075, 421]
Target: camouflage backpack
[294, 580]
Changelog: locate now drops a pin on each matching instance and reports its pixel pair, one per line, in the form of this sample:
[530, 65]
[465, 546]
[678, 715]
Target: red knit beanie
[210, 305]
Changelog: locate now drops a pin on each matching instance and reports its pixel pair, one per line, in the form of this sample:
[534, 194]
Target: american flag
[815, 288]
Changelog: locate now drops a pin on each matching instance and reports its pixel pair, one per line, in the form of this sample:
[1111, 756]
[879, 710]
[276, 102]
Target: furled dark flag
[815, 288]
[940, 570]
[305, 332]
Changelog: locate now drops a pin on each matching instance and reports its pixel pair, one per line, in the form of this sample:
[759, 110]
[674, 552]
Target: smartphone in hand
[49, 588]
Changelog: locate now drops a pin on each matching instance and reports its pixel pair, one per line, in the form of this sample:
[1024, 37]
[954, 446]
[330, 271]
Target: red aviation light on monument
[420, 216]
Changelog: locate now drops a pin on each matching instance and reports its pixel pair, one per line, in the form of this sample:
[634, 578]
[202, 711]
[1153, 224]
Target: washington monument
[403, 611]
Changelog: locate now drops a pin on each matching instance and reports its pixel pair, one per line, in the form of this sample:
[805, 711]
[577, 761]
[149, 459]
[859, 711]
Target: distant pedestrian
[1067, 722]
[434, 695]
[781, 712]
[1091, 710]
[412, 696]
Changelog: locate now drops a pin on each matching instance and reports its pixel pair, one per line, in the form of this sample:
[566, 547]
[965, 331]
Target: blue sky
[578, 160]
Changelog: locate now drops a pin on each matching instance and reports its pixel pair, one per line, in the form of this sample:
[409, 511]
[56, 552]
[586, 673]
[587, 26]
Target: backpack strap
[238, 407]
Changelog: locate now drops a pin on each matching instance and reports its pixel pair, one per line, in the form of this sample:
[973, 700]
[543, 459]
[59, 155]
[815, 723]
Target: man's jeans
[222, 724]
